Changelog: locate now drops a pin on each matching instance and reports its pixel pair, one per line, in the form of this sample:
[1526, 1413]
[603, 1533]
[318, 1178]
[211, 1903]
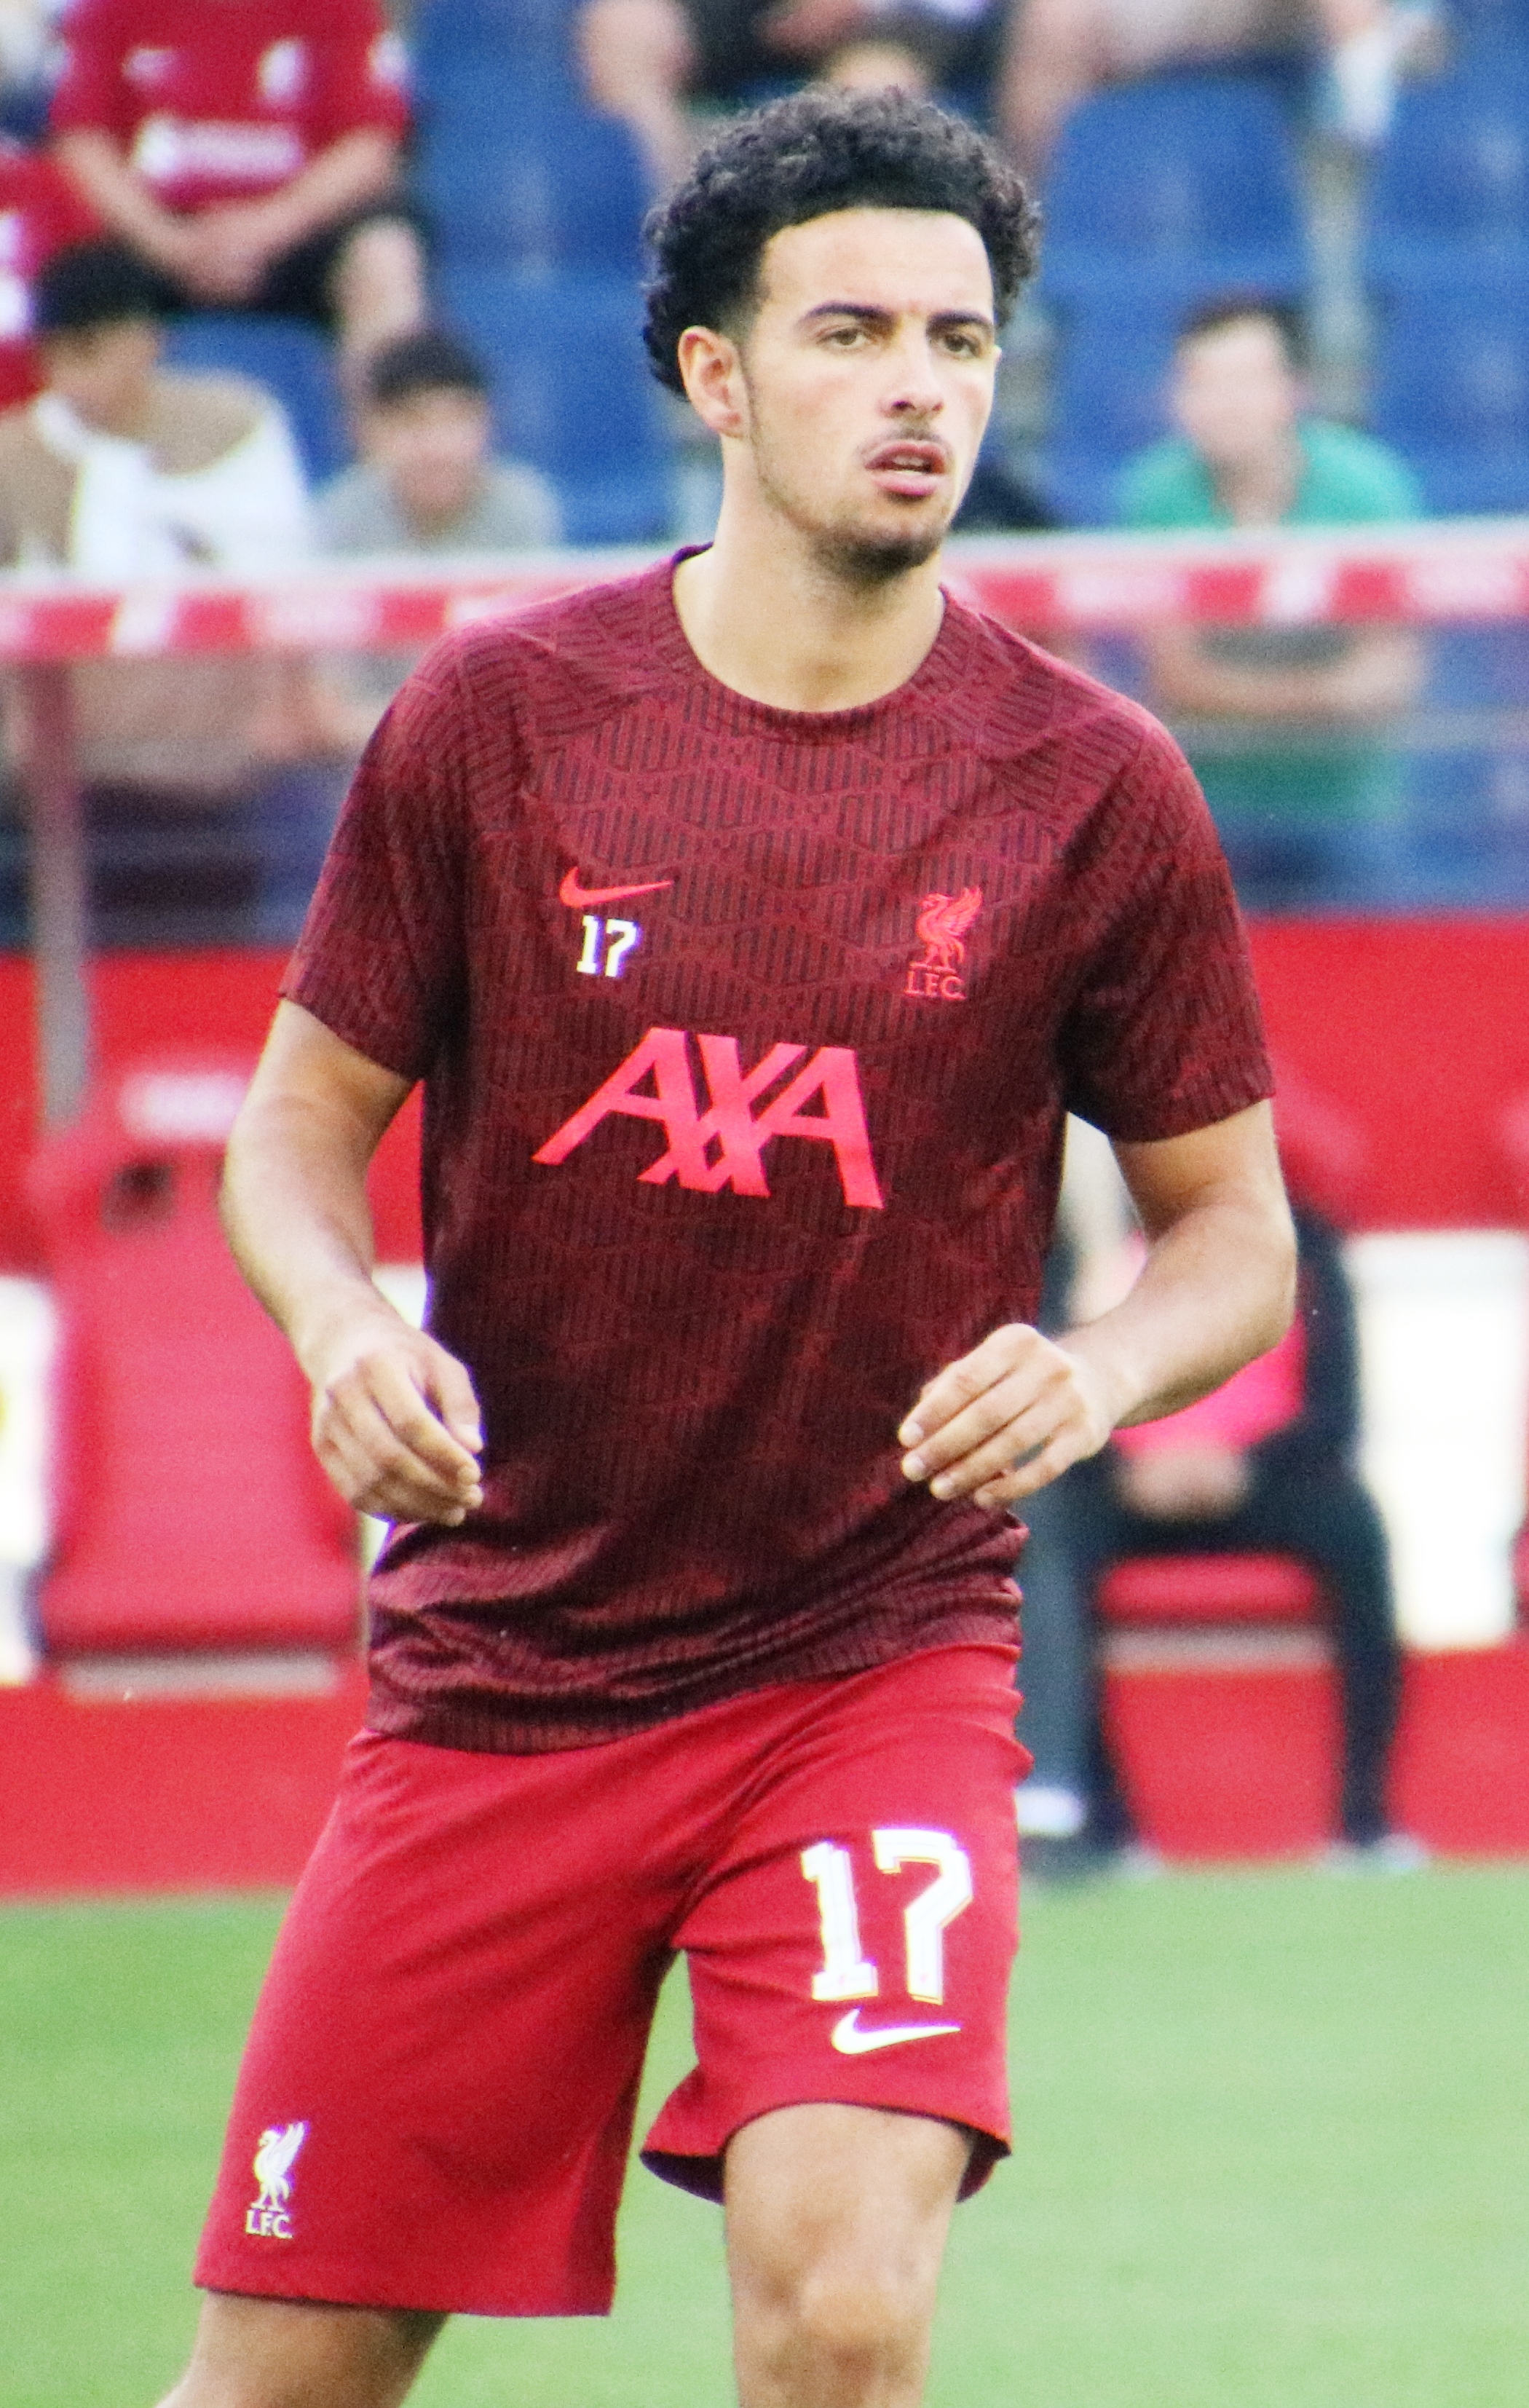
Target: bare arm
[119, 194]
[1380, 673]
[395, 1422]
[223, 252]
[1217, 1288]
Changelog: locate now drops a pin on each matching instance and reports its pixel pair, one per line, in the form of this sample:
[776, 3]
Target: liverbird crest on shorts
[274, 2160]
[942, 922]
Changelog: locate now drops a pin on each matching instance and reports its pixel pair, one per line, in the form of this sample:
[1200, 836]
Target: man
[647, 61]
[40, 213]
[122, 469]
[1267, 1465]
[751, 922]
[1061, 51]
[1283, 724]
[249, 150]
[426, 481]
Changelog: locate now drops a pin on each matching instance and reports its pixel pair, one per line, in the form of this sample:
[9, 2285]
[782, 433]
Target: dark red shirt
[227, 100]
[40, 212]
[747, 1036]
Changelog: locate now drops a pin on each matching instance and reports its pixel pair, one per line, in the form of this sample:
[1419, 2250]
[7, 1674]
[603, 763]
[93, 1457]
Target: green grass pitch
[1271, 2152]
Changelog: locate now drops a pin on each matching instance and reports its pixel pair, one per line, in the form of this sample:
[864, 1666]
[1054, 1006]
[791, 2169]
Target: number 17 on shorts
[847, 1972]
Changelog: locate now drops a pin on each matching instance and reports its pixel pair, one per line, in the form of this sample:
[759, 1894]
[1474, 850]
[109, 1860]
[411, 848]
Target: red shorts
[436, 2103]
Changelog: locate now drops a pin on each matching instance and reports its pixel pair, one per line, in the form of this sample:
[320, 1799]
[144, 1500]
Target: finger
[389, 1498]
[992, 1415]
[375, 1452]
[1037, 1471]
[954, 1389]
[1014, 1443]
[399, 1389]
[451, 1390]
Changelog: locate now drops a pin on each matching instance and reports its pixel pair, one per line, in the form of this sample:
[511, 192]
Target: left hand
[1006, 1419]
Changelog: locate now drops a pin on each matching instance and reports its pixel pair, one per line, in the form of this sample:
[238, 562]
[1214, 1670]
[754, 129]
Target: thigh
[436, 2101]
[852, 1942]
[300, 282]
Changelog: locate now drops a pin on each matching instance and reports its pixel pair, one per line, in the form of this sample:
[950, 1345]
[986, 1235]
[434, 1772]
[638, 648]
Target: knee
[841, 2333]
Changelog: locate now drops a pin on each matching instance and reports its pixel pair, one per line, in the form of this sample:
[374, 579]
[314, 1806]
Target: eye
[844, 338]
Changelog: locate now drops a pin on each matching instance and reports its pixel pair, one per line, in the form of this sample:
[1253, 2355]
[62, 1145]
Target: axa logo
[268, 2219]
[716, 1137]
[935, 975]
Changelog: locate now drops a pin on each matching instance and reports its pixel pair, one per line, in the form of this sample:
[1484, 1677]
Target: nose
[913, 388]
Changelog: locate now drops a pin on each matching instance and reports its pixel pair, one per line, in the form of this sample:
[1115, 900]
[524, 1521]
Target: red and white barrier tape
[1459, 571]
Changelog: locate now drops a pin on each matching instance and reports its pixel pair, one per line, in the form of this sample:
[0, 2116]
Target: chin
[864, 555]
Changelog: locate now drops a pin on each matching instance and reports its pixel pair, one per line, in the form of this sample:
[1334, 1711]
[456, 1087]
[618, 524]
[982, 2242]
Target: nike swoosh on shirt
[850, 2041]
[584, 899]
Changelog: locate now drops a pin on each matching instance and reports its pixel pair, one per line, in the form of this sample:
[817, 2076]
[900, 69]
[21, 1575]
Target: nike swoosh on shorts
[850, 2041]
[579, 898]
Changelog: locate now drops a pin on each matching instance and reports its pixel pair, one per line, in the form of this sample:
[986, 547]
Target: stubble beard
[854, 555]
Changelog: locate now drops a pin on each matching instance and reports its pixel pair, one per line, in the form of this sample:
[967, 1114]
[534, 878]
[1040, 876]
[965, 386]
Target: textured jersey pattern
[747, 1036]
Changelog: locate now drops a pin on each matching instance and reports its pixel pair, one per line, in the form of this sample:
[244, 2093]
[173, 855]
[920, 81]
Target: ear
[713, 375]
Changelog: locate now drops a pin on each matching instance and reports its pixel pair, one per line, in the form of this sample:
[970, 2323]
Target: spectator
[645, 60]
[1058, 51]
[1283, 724]
[119, 471]
[41, 212]
[426, 482]
[1266, 1466]
[247, 150]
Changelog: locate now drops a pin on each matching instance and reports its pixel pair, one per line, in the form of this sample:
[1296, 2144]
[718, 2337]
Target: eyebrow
[941, 322]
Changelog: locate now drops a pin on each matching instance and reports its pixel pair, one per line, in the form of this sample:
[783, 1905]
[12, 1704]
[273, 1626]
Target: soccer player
[751, 924]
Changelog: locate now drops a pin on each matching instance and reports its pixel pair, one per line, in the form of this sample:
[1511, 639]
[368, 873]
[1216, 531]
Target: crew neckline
[942, 668]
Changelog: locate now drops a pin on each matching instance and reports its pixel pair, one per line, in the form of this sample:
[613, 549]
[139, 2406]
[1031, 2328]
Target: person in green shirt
[1284, 725]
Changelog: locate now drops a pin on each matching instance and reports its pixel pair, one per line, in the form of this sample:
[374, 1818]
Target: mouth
[911, 468]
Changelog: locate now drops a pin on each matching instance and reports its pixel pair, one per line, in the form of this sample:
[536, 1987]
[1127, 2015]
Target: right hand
[395, 1422]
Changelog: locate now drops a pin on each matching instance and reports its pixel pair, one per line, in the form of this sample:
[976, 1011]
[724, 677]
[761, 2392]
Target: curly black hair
[820, 151]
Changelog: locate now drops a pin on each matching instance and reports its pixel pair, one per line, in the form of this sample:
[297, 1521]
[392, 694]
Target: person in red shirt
[247, 150]
[41, 212]
[751, 922]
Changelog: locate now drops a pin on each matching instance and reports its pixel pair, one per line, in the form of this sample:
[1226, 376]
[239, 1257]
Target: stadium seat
[1216, 1589]
[1451, 185]
[192, 1515]
[1220, 1701]
[1451, 387]
[568, 192]
[1108, 379]
[1173, 188]
[572, 393]
[291, 359]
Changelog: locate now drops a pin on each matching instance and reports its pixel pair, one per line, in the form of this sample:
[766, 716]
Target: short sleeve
[1158, 489]
[1163, 1034]
[90, 94]
[381, 960]
[1384, 488]
[362, 79]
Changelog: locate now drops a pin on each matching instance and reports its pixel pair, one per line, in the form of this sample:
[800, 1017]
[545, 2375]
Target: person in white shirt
[119, 471]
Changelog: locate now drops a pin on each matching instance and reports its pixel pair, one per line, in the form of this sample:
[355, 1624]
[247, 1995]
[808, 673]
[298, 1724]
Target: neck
[1258, 491]
[427, 520]
[770, 619]
[128, 419]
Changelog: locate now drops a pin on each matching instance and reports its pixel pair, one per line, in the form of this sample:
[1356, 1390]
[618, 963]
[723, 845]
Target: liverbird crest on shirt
[942, 922]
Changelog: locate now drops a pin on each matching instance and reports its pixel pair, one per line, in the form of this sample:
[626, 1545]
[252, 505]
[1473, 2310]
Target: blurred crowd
[280, 279]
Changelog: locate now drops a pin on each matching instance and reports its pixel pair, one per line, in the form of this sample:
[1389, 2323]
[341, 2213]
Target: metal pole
[59, 891]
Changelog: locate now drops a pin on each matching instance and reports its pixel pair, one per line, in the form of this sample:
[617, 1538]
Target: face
[852, 406]
[1235, 394]
[105, 372]
[430, 448]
